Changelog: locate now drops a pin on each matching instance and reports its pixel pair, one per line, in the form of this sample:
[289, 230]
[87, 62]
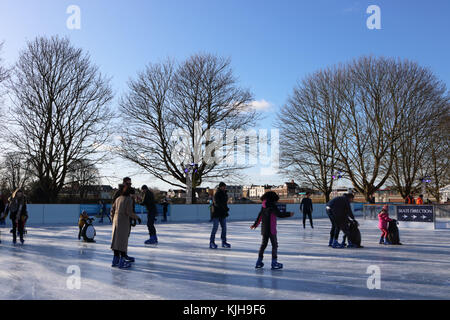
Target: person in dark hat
[219, 216]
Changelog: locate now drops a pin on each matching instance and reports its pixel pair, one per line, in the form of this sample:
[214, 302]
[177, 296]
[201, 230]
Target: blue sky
[272, 44]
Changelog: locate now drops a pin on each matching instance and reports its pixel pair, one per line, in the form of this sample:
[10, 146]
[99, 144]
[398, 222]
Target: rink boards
[41, 214]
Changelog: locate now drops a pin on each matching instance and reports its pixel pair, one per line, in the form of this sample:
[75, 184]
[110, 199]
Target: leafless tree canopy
[437, 158]
[372, 111]
[308, 125]
[15, 171]
[60, 109]
[82, 174]
[167, 97]
[3, 70]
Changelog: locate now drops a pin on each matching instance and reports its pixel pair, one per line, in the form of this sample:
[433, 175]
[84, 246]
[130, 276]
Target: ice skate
[115, 261]
[226, 245]
[123, 264]
[276, 265]
[336, 245]
[259, 264]
[212, 245]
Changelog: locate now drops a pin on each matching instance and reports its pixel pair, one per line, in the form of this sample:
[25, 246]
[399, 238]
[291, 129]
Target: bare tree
[358, 117]
[309, 124]
[375, 97]
[437, 155]
[15, 171]
[199, 94]
[3, 71]
[60, 110]
[425, 135]
[4, 74]
[82, 174]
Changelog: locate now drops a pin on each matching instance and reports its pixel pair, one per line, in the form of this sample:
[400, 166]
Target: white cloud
[261, 105]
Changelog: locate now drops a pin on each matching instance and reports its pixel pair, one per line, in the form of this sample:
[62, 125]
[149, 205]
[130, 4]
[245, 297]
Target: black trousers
[18, 226]
[151, 224]
[273, 242]
[309, 214]
[165, 214]
[337, 225]
[118, 253]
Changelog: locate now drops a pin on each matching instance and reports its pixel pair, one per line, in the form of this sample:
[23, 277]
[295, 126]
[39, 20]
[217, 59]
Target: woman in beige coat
[121, 213]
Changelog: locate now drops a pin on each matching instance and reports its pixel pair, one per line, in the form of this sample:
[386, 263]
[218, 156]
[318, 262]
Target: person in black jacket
[339, 211]
[307, 208]
[219, 215]
[149, 202]
[165, 205]
[18, 214]
[268, 216]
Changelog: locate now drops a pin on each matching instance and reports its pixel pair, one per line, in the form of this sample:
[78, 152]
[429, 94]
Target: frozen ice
[183, 267]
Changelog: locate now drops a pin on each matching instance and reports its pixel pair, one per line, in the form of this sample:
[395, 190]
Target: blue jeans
[223, 225]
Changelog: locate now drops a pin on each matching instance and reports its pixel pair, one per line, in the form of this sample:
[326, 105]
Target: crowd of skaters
[123, 217]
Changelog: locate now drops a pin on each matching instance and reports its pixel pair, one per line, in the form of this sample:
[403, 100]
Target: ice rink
[183, 267]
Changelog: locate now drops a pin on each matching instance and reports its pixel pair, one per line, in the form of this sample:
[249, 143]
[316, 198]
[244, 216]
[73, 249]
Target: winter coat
[306, 206]
[410, 200]
[383, 219]
[149, 202]
[341, 209]
[268, 216]
[121, 212]
[82, 220]
[220, 205]
[18, 210]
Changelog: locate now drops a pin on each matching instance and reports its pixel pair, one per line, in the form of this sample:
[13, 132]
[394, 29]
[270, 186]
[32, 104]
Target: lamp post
[425, 181]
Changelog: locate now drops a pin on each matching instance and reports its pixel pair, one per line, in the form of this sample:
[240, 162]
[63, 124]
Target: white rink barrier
[51, 214]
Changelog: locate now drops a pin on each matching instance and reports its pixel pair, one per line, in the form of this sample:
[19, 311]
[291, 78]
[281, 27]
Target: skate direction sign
[415, 213]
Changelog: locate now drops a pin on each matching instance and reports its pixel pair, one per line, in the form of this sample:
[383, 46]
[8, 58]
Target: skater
[419, 200]
[103, 211]
[339, 211]
[268, 216]
[81, 222]
[18, 214]
[383, 219]
[149, 202]
[165, 205]
[2, 213]
[121, 212]
[219, 215]
[307, 208]
[372, 208]
[410, 199]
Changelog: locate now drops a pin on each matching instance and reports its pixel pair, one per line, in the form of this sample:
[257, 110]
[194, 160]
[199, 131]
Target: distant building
[287, 190]
[235, 192]
[256, 192]
[445, 194]
[176, 193]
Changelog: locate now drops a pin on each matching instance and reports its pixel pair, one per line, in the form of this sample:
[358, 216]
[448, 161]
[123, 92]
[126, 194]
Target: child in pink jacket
[383, 219]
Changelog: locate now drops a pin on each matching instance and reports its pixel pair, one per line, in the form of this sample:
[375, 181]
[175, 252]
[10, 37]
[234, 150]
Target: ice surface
[183, 267]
